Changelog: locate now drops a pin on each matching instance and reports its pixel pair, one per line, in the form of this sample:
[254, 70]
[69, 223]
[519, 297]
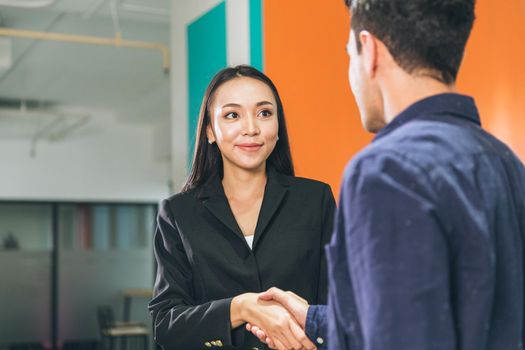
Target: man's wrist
[304, 320]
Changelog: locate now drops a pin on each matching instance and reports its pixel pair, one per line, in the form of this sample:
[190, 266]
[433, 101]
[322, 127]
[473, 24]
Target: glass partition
[105, 251]
[103, 258]
[25, 272]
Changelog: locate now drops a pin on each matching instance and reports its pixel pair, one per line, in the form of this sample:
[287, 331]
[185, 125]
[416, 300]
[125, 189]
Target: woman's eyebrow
[258, 104]
[262, 103]
[231, 105]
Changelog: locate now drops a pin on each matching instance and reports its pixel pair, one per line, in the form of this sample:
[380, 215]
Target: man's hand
[298, 308]
[295, 305]
[276, 321]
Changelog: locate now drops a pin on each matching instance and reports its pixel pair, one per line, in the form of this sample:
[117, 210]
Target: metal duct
[26, 3]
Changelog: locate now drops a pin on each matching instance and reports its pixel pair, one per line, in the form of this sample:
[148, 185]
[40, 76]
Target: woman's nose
[251, 127]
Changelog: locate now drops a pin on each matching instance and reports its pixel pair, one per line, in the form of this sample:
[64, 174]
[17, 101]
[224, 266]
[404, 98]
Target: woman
[242, 224]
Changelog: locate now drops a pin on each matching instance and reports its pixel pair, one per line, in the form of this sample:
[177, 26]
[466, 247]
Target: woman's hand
[272, 318]
[293, 303]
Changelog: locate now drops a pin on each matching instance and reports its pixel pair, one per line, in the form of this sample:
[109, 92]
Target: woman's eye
[231, 115]
[266, 113]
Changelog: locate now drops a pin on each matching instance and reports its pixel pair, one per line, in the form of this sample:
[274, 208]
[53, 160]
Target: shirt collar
[456, 105]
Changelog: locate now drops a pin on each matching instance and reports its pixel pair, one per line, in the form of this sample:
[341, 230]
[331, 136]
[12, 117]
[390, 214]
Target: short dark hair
[420, 34]
[207, 160]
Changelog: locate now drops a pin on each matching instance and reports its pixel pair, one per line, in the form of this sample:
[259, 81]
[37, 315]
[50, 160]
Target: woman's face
[244, 123]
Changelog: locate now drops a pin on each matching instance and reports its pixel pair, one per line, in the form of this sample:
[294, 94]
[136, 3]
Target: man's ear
[369, 52]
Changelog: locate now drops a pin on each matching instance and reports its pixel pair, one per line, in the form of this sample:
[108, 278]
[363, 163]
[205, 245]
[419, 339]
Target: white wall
[103, 161]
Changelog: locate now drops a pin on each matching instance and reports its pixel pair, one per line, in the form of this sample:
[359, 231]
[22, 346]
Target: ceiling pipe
[93, 8]
[115, 17]
[146, 10]
[60, 134]
[20, 58]
[61, 124]
[27, 3]
[41, 132]
[91, 40]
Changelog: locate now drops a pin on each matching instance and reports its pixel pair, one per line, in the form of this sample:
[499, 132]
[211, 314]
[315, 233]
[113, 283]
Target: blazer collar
[214, 199]
[274, 194]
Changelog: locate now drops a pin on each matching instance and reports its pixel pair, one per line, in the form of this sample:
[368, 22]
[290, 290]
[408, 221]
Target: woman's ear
[209, 134]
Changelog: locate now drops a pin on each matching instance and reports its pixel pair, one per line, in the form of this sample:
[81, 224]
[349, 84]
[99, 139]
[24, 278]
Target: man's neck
[408, 90]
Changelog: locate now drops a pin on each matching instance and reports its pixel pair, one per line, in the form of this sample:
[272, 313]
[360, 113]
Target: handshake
[276, 317]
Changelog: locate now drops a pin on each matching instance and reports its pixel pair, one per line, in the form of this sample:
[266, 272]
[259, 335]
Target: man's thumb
[270, 294]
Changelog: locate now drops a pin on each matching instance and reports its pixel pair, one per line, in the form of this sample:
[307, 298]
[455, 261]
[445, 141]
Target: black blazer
[204, 261]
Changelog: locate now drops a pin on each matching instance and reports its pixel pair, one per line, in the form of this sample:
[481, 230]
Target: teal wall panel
[256, 34]
[206, 37]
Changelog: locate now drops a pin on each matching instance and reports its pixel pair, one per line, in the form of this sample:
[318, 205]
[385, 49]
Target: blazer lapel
[214, 199]
[274, 193]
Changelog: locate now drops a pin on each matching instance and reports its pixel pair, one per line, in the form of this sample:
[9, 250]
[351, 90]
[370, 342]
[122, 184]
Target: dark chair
[26, 346]
[81, 345]
[111, 331]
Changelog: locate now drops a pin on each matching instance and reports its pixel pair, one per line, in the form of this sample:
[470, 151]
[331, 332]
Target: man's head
[423, 38]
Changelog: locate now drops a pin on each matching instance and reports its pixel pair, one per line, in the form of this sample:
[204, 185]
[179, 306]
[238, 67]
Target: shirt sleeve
[397, 257]
[178, 321]
[316, 325]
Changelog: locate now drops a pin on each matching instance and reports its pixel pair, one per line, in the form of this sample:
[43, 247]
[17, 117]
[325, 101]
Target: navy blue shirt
[428, 248]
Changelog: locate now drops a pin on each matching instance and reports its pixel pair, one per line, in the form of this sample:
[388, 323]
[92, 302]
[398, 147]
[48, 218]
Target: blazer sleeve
[328, 215]
[178, 321]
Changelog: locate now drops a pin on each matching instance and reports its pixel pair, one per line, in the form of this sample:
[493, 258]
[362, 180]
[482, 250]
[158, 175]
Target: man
[428, 248]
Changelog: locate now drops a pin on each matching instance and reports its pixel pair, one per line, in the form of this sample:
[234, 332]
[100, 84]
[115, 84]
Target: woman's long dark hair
[207, 160]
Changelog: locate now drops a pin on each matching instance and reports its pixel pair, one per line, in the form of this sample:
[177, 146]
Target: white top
[249, 240]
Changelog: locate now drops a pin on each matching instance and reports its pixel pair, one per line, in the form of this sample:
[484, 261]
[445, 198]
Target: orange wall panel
[305, 56]
[304, 43]
[493, 70]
